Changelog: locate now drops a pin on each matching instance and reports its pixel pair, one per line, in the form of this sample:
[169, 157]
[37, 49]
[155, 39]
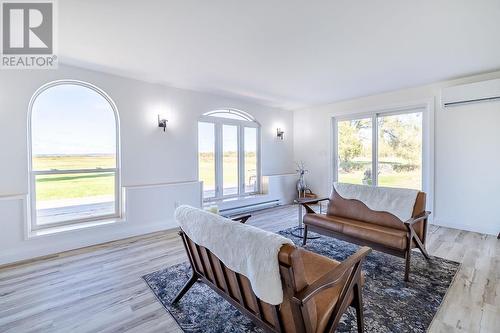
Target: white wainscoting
[276, 190]
[148, 208]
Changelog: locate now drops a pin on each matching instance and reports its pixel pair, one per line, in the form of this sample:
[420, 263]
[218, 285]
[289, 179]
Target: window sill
[72, 227]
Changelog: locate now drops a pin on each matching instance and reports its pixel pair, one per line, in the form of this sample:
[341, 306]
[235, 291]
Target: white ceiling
[284, 53]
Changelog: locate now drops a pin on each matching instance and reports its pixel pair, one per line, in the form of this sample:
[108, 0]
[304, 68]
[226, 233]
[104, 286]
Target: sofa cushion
[356, 210]
[387, 236]
[293, 257]
[316, 266]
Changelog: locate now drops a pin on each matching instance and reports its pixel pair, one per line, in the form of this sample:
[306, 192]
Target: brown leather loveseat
[316, 289]
[351, 220]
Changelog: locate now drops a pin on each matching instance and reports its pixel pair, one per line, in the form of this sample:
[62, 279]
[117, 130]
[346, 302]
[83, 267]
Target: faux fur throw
[397, 201]
[244, 249]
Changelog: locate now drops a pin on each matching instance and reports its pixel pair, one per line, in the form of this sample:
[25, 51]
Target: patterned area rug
[390, 304]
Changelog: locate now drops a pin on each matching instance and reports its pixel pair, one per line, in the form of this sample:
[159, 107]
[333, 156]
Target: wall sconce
[162, 123]
[280, 134]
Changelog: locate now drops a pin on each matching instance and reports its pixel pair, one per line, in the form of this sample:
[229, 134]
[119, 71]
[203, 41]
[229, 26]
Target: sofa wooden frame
[203, 270]
[412, 236]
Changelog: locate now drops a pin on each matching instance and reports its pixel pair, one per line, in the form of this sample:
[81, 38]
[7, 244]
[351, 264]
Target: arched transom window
[228, 154]
[74, 138]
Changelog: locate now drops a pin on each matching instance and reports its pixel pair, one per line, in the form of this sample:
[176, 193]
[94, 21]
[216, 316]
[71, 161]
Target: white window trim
[33, 226]
[241, 124]
[427, 107]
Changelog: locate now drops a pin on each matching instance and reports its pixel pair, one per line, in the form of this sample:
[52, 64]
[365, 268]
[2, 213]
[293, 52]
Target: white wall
[149, 156]
[466, 151]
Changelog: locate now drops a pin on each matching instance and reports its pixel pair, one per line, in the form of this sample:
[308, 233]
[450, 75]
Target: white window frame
[241, 124]
[33, 173]
[427, 109]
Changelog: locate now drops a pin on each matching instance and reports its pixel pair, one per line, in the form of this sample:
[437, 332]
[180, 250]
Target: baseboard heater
[251, 207]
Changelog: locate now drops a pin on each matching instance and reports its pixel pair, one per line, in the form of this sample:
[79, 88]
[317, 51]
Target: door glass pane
[400, 150]
[355, 151]
[230, 159]
[74, 196]
[206, 158]
[250, 159]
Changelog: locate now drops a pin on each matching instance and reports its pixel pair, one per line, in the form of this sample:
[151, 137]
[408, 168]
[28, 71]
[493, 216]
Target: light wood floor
[99, 289]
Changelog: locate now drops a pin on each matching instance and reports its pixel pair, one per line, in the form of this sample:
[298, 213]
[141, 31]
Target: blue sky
[62, 126]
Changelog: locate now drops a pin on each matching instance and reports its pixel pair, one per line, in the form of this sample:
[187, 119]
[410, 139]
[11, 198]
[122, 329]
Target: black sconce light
[162, 123]
[280, 134]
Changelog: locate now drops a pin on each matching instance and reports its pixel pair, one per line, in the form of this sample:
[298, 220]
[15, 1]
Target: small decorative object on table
[304, 195]
[301, 182]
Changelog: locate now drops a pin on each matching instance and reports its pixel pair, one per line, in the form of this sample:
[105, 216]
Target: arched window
[228, 154]
[74, 145]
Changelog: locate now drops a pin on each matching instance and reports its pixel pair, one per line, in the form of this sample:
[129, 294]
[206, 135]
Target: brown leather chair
[316, 289]
[352, 221]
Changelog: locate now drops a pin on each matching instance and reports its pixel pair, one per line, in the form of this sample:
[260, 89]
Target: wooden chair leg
[358, 305]
[186, 287]
[304, 238]
[407, 265]
[424, 252]
[421, 247]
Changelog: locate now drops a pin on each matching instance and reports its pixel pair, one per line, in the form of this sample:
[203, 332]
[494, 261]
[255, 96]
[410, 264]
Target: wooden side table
[241, 218]
[298, 231]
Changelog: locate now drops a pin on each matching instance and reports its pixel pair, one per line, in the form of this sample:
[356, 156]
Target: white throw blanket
[244, 249]
[397, 201]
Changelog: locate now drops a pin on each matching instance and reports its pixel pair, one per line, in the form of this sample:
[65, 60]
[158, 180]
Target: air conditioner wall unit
[471, 93]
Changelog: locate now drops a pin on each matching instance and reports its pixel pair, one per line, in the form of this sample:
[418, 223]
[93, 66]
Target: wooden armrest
[332, 277]
[305, 203]
[242, 218]
[418, 218]
[312, 200]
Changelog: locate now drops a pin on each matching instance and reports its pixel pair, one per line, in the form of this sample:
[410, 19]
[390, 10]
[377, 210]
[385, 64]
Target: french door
[228, 157]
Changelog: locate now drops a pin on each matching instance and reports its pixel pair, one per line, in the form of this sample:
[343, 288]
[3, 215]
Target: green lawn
[68, 186]
[55, 187]
[230, 167]
[73, 162]
[406, 179]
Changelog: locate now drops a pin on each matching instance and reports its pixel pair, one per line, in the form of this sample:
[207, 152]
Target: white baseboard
[148, 209]
[34, 248]
[489, 230]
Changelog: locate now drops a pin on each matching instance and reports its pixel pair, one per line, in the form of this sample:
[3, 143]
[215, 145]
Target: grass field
[406, 179]
[70, 186]
[230, 167]
[73, 162]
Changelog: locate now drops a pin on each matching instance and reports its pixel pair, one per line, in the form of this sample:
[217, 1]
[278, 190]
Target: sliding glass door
[354, 137]
[383, 149]
[400, 150]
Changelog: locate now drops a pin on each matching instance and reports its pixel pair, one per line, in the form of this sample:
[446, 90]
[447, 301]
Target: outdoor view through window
[74, 155]
[228, 154]
[398, 146]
